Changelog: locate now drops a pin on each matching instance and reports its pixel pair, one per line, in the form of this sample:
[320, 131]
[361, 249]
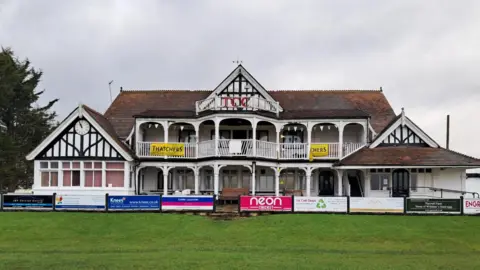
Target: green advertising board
[434, 206]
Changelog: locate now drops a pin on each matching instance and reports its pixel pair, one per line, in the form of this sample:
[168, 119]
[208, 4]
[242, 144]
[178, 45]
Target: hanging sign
[167, 149]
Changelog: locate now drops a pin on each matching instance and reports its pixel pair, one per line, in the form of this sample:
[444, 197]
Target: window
[93, 174]
[49, 173]
[230, 179]
[246, 179]
[71, 174]
[115, 174]
[266, 183]
[187, 136]
[223, 134]
[419, 178]
[379, 179]
[291, 136]
[208, 180]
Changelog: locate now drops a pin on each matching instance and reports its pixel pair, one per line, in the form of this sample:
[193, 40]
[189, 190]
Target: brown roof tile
[408, 156]
[108, 127]
[296, 104]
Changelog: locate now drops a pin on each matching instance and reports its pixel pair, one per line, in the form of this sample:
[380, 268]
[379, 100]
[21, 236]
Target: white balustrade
[264, 149]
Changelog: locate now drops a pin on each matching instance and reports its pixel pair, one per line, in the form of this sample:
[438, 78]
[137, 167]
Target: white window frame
[49, 170]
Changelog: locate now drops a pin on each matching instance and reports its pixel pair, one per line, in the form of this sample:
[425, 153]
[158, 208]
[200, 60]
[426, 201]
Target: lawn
[291, 241]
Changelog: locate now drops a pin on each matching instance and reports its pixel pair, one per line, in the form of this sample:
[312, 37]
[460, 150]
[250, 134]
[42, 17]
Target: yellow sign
[167, 149]
[318, 150]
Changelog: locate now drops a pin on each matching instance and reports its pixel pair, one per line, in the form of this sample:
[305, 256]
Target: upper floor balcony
[248, 138]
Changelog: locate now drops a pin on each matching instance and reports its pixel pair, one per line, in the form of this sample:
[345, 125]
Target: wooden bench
[231, 194]
[295, 192]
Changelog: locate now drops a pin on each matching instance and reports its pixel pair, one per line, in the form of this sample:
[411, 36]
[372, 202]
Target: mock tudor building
[240, 135]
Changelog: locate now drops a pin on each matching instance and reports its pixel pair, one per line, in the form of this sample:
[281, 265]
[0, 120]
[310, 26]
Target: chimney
[448, 131]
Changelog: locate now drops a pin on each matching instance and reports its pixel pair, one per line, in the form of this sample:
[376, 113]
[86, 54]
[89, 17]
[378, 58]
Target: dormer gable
[239, 91]
[403, 132]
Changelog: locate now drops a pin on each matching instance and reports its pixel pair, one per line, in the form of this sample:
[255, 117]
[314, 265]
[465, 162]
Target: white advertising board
[471, 206]
[320, 204]
[376, 205]
[64, 202]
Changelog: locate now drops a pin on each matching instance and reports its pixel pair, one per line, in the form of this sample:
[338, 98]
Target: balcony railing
[235, 148]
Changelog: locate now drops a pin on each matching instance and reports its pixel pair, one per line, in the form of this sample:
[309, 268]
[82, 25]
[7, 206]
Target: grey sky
[425, 54]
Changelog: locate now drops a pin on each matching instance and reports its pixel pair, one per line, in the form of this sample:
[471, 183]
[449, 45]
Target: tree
[26, 123]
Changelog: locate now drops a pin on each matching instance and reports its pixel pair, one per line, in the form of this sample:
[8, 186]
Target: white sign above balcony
[226, 103]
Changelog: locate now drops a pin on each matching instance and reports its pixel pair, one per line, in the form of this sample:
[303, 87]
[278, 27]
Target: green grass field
[169, 241]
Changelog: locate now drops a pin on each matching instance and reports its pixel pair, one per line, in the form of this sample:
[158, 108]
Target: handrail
[435, 189]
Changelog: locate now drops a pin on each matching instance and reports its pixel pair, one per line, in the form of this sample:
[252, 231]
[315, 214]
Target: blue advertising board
[140, 202]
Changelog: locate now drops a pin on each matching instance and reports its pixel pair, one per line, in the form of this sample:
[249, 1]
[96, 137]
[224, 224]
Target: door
[400, 183]
[326, 181]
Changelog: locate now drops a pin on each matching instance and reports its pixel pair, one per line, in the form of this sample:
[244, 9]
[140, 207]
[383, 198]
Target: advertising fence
[35, 202]
[471, 206]
[321, 204]
[79, 202]
[376, 205]
[141, 202]
[265, 203]
[207, 203]
[192, 202]
[434, 206]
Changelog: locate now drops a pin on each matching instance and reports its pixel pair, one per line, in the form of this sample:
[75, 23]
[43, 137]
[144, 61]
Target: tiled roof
[408, 156]
[107, 126]
[296, 104]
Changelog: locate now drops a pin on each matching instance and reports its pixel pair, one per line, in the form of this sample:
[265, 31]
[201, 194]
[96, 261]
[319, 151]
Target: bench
[295, 192]
[231, 194]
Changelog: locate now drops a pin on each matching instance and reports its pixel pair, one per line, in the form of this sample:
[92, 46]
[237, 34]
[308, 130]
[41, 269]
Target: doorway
[355, 182]
[400, 183]
[326, 183]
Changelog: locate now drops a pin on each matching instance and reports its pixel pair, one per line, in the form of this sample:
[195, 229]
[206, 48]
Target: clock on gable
[82, 127]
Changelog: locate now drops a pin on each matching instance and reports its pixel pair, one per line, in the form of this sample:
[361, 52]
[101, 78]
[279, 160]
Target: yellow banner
[167, 149]
[318, 150]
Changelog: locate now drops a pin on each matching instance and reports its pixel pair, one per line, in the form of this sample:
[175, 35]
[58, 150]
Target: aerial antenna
[110, 89]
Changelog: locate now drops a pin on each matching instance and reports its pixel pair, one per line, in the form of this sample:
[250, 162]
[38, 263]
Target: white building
[242, 136]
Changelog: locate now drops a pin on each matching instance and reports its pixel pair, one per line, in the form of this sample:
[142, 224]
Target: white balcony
[242, 148]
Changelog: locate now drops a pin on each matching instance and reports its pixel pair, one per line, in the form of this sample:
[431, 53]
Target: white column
[339, 182]
[196, 171]
[278, 129]
[254, 139]
[308, 176]
[82, 175]
[165, 180]
[253, 180]
[277, 182]
[197, 139]
[216, 172]
[217, 127]
[340, 139]
[126, 175]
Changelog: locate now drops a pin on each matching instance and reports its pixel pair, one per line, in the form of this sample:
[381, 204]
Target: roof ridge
[268, 90]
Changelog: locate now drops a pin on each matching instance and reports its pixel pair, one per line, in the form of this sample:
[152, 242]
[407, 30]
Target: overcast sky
[425, 54]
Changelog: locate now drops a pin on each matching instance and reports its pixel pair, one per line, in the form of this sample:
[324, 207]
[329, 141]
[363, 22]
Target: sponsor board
[140, 202]
[194, 202]
[376, 205]
[79, 202]
[471, 206]
[28, 202]
[266, 203]
[320, 204]
[167, 149]
[434, 206]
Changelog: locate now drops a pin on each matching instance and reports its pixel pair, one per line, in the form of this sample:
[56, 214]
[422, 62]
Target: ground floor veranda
[320, 179]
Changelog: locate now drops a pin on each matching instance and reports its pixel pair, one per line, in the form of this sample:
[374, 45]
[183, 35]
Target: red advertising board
[266, 203]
